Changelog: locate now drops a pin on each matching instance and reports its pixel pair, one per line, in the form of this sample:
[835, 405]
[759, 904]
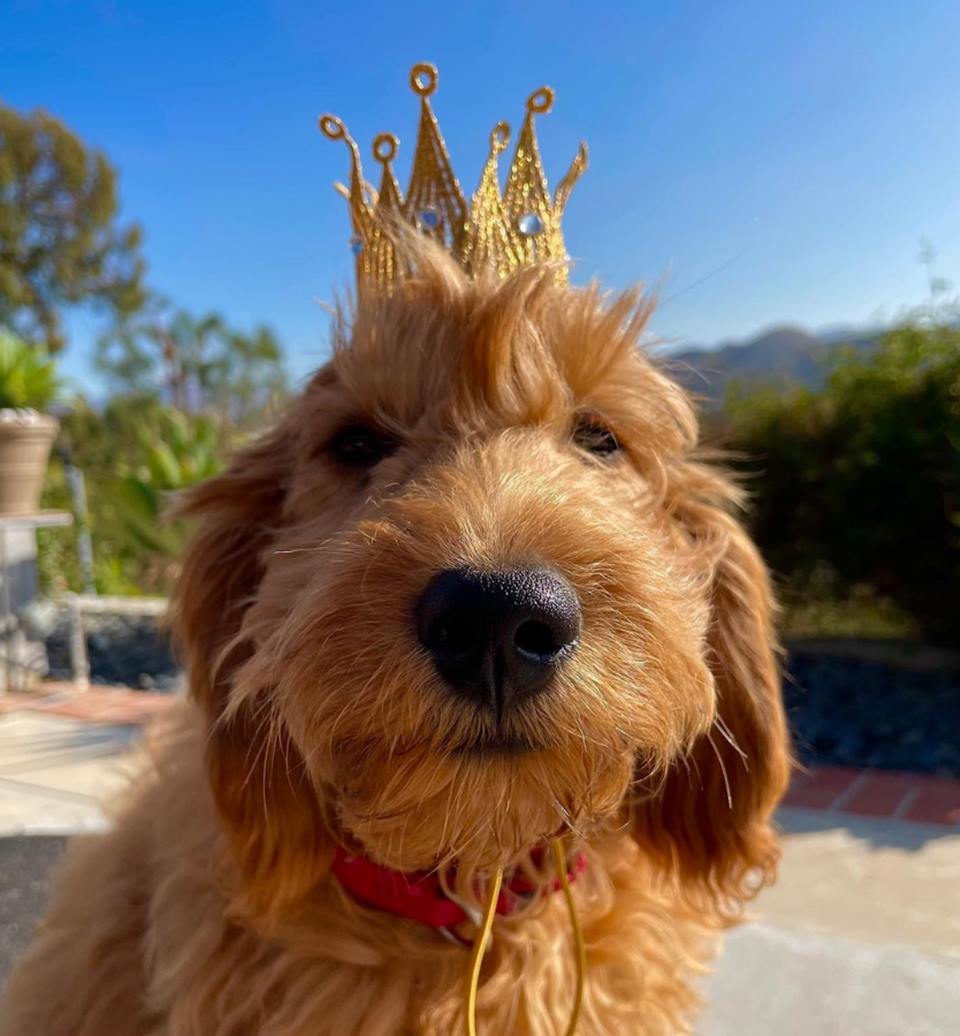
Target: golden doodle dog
[475, 609]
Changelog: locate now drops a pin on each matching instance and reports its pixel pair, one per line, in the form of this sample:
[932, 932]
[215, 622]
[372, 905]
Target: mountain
[779, 357]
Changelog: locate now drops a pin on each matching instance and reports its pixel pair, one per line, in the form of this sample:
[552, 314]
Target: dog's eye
[592, 435]
[361, 447]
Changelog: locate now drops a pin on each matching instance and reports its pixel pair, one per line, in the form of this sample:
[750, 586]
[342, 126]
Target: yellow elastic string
[578, 944]
[479, 948]
[480, 943]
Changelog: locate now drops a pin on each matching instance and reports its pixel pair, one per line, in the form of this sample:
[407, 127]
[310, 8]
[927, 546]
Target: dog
[476, 594]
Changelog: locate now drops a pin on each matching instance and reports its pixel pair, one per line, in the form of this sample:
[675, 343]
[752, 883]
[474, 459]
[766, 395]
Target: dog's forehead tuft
[525, 347]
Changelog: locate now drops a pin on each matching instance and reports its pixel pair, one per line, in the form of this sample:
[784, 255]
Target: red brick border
[118, 705]
[878, 793]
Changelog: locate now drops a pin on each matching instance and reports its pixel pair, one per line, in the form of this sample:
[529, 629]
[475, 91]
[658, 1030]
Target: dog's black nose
[496, 637]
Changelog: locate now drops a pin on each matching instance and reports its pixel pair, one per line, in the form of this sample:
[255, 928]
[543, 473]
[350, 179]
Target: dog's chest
[638, 978]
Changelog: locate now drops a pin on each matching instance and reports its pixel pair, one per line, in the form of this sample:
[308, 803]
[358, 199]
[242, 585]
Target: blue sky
[762, 162]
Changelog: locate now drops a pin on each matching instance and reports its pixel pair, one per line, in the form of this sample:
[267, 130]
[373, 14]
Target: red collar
[419, 896]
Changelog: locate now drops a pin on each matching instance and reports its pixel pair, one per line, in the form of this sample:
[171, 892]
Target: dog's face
[465, 597]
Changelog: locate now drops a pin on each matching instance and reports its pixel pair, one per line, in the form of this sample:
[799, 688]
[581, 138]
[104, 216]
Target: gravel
[854, 712]
[124, 650]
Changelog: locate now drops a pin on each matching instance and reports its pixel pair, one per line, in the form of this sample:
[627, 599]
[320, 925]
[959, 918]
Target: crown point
[423, 78]
[385, 147]
[499, 138]
[332, 127]
[540, 101]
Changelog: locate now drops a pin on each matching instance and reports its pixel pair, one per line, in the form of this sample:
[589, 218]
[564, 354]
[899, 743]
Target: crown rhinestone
[498, 231]
[430, 218]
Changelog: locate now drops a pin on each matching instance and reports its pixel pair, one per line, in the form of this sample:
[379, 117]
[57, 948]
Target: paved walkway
[61, 757]
[860, 936]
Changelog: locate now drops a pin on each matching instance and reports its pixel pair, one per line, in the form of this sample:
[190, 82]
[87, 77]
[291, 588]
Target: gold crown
[500, 232]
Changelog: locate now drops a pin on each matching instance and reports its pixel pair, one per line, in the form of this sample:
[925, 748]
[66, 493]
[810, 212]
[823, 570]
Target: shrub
[862, 480]
[135, 454]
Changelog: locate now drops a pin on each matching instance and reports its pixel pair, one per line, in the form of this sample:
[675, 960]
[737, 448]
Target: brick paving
[878, 793]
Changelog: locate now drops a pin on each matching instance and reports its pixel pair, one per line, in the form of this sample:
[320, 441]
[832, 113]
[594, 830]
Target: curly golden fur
[317, 719]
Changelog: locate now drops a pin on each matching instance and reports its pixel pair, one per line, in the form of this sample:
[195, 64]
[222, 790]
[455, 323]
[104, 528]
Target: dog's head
[474, 591]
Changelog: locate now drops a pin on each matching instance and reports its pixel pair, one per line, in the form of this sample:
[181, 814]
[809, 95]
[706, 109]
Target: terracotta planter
[25, 441]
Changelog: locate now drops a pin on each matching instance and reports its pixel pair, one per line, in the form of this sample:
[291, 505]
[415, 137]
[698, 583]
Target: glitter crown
[498, 231]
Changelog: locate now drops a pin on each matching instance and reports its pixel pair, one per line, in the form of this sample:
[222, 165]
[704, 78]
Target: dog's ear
[710, 820]
[268, 808]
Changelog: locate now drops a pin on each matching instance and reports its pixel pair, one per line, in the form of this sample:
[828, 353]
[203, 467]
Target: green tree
[60, 242]
[196, 364]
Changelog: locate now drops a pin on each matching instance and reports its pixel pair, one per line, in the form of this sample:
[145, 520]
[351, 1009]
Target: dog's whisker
[731, 740]
[723, 770]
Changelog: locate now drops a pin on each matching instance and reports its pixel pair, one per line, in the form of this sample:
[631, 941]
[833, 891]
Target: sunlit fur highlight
[316, 719]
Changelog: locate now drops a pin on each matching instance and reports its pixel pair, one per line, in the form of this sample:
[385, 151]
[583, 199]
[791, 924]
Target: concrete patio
[860, 937]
